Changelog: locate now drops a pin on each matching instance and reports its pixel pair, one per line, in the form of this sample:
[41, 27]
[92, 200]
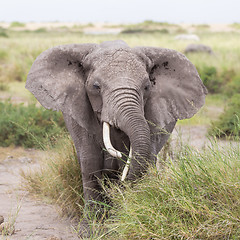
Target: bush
[40, 30]
[224, 81]
[3, 34]
[28, 126]
[228, 123]
[233, 86]
[211, 79]
[3, 55]
[4, 87]
[17, 24]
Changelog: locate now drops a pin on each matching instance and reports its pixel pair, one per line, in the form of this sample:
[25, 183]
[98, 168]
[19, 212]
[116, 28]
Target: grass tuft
[228, 124]
[195, 197]
[59, 179]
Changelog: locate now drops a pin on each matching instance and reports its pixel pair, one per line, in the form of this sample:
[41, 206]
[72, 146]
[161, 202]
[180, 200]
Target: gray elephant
[198, 48]
[115, 98]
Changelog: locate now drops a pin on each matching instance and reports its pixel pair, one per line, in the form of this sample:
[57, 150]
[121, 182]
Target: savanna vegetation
[28, 126]
[194, 195]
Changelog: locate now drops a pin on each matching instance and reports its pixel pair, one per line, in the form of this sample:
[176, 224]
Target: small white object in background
[192, 37]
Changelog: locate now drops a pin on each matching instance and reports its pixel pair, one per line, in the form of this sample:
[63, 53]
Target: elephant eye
[96, 85]
[146, 88]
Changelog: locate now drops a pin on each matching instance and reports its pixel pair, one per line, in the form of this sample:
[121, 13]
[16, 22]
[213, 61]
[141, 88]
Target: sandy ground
[195, 136]
[34, 220]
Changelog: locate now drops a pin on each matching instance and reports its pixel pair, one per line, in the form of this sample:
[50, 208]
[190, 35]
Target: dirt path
[34, 219]
[194, 136]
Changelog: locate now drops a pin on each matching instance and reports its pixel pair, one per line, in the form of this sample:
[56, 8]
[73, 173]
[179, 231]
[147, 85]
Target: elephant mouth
[112, 151]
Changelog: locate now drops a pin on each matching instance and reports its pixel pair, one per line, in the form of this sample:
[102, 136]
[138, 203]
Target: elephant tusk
[126, 168]
[107, 141]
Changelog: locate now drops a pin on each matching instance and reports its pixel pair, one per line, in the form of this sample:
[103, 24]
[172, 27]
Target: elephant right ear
[177, 92]
[57, 79]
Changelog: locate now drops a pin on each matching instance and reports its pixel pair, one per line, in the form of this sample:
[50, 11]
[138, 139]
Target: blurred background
[206, 31]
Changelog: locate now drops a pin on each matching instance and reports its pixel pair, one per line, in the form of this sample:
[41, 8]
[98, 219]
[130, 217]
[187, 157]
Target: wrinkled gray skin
[196, 48]
[141, 92]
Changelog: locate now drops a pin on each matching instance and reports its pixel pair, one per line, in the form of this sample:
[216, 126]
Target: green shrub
[17, 24]
[3, 34]
[3, 55]
[4, 87]
[211, 79]
[233, 86]
[41, 30]
[28, 126]
[228, 123]
[227, 75]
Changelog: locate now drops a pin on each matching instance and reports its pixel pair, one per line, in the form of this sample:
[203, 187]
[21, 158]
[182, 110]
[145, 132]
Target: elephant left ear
[177, 90]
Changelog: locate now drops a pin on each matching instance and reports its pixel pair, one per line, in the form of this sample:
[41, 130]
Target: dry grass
[59, 179]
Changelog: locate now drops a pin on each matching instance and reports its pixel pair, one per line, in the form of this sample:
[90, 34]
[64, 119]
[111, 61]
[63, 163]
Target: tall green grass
[196, 196]
[228, 123]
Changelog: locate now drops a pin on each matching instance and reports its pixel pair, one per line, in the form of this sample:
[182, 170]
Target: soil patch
[32, 218]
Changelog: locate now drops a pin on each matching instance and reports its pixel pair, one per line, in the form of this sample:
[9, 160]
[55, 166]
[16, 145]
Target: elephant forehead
[119, 62]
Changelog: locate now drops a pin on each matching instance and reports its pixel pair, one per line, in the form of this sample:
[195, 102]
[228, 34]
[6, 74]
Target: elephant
[198, 48]
[115, 98]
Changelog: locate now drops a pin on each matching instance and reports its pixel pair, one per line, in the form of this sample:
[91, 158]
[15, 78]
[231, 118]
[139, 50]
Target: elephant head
[141, 91]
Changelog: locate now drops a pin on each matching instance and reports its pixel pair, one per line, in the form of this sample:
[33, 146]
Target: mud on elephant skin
[139, 93]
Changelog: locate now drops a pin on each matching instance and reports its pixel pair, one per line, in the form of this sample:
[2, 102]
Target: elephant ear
[177, 92]
[57, 79]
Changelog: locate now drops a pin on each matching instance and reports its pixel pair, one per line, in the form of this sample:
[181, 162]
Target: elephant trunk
[129, 117]
[137, 129]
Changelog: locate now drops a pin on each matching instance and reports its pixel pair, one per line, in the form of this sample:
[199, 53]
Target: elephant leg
[91, 161]
[90, 157]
